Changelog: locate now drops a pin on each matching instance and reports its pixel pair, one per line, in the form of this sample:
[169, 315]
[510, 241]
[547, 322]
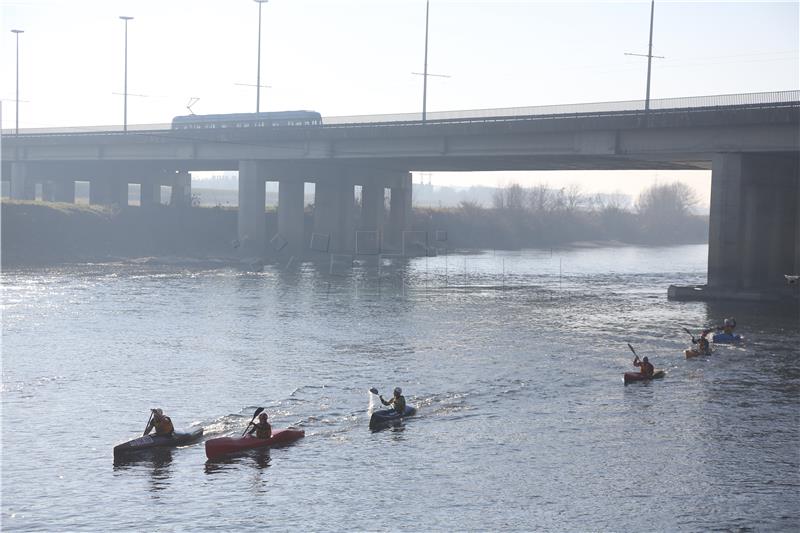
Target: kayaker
[703, 346]
[261, 428]
[161, 423]
[728, 325]
[645, 367]
[398, 401]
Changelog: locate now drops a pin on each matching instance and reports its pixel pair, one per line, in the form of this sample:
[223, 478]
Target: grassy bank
[43, 233]
[38, 233]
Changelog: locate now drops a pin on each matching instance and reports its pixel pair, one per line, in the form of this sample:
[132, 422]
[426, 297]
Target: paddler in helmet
[645, 366]
[160, 422]
[398, 401]
[728, 325]
[261, 428]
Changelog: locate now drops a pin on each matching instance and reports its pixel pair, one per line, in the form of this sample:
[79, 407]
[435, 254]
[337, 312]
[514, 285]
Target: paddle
[634, 351]
[690, 334]
[148, 423]
[258, 412]
[373, 390]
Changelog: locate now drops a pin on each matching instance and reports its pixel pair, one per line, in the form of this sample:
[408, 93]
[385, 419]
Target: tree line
[542, 216]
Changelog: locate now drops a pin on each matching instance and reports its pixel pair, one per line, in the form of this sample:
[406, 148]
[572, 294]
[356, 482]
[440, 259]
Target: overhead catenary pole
[16, 101]
[649, 57]
[425, 71]
[125, 90]
[258, 69]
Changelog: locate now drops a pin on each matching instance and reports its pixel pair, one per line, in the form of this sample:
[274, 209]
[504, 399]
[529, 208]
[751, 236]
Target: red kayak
[225, 445]
[630, 377]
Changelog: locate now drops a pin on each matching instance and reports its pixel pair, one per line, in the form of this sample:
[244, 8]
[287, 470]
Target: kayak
[630, 377]
[225, 445]
[178, 438]
[693, 352]
[387, 416]
[726, 338]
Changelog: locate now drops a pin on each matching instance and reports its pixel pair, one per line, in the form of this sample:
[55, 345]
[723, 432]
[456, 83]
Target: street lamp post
[16, 101]
[258, 70]
[125, 91]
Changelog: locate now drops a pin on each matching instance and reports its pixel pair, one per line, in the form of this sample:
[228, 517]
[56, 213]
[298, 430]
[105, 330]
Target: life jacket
[645, 368]
[703, 346]
[263, 431]
[399, 403]
[164, 426]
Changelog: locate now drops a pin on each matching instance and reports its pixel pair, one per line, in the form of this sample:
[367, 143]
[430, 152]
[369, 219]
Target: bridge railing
[725, 100]
[690, 102]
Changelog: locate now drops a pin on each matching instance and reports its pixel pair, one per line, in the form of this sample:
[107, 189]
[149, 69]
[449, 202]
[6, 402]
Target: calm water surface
[514, 360]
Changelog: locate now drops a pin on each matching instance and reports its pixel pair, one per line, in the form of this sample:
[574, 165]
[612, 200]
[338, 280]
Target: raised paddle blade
[258, 412]
[373, 390]
[634, 351]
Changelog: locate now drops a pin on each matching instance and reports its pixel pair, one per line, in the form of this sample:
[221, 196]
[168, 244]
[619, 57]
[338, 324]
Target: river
[514, 360]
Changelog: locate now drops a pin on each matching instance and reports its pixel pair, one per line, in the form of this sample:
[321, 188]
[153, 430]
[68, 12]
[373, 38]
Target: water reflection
[157, 460]
[260, 459]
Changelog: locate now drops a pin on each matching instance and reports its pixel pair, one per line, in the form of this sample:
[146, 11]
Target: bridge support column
[251, 221]
[399, 211]
[372, 207]
[291, 214]
[64, 191]
[753, 227]
[181, 190]
[22, 187]
[48, 191]
[150, 193]
[334, 212]
[100, 191]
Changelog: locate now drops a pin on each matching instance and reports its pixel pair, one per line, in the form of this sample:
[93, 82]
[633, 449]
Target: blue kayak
[726, 338]
[387, 416]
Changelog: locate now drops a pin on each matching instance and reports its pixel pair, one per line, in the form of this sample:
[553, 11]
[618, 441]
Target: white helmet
[398, 391]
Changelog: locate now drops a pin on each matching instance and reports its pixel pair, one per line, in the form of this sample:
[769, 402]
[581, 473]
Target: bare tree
[660, 202]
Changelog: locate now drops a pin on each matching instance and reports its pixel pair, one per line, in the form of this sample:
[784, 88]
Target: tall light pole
[125, 92]
[258, 73]
[16, 128]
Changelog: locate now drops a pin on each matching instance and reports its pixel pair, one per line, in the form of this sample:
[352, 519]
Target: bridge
[751, 143]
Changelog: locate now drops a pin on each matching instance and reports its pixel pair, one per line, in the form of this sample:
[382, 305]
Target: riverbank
[43, 233]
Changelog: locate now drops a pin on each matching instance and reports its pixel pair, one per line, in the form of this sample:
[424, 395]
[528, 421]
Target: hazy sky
[351, 57]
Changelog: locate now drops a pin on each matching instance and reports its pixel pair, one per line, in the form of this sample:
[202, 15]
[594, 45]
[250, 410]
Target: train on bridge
[273, 119]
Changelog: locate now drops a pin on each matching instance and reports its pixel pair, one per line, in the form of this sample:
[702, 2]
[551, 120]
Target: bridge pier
[181, 189]
[754, 228]
[252, 229]
[150, 193]
[334, 211]
[291, 214]
[22, 186]
[399, 211]
[64, 191]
